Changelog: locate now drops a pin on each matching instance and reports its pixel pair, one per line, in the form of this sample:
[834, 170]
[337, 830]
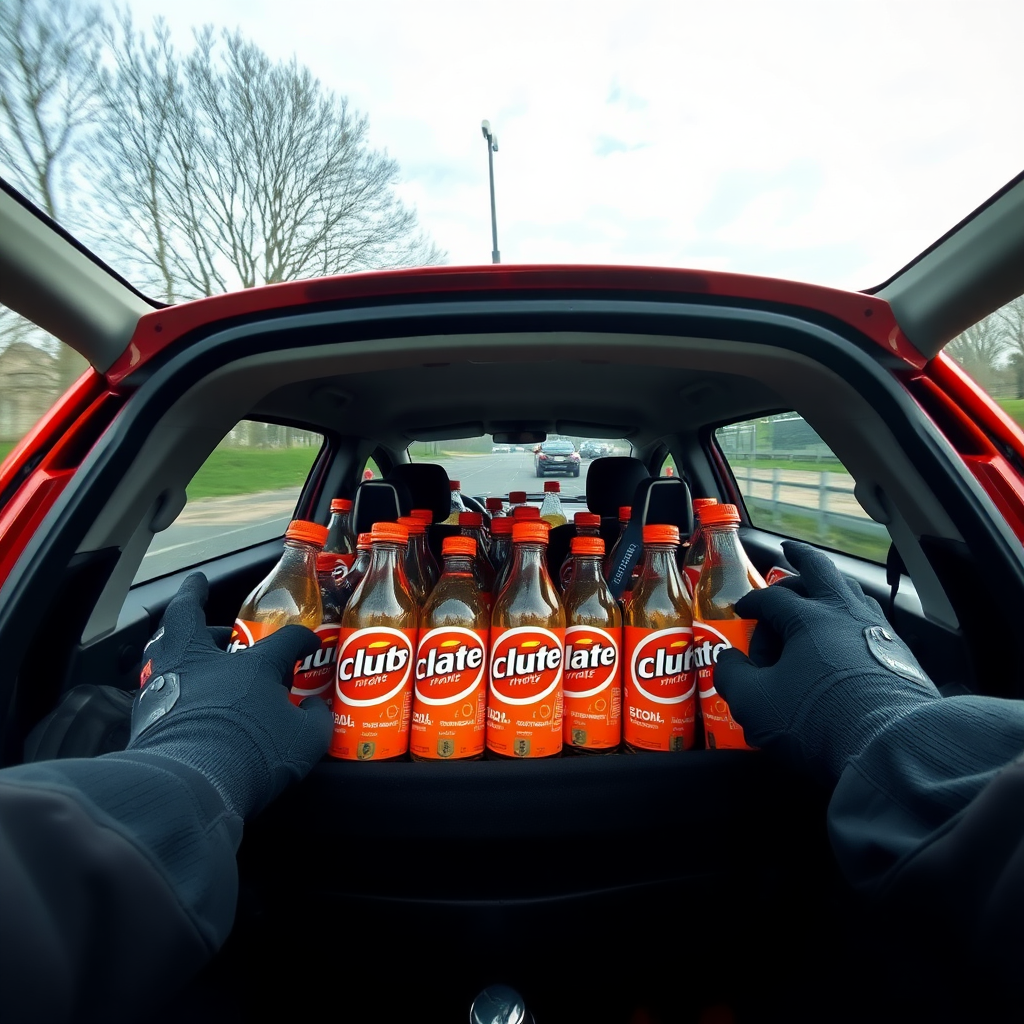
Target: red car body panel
[975, 426]
[156, 330]
[57, 443]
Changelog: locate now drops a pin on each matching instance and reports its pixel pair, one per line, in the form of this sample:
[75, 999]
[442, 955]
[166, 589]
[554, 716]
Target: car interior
[620, 887]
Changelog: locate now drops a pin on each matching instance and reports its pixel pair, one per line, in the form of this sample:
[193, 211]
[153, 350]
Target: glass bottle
[339, 532]
[587, 525]
[551, 510]
[376, 648]
[415, 566]
[458, 506]
[726, 576]
[695, 552]
[433, 570]
[524, 713]
[450, 677]
[659, 697]
[592, 679]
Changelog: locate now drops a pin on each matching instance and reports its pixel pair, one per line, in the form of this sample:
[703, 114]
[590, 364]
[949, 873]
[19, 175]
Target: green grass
[5, 449]
[1013, 407]
[246, 471]
[800, 527]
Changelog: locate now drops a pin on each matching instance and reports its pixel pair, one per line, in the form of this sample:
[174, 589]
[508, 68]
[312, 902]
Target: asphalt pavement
[211, 527]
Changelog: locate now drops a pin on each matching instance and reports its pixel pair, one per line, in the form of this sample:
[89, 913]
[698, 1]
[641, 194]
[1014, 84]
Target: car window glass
[792, 483]
[992, 352]
[486, 468]
[243, 494]
[35, 370]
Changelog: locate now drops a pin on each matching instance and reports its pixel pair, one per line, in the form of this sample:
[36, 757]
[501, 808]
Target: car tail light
[541, 455]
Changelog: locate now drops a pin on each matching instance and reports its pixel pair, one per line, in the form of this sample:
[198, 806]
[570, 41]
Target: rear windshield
[488, 468]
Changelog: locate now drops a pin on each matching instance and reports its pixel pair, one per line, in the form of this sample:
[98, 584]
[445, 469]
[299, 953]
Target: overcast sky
[829, 140]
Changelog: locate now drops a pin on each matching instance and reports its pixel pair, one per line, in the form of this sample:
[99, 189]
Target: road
[211, 527]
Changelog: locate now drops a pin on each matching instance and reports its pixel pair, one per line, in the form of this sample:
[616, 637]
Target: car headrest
[378, 501]
[428, 486]
[659, 500]
[612, 481]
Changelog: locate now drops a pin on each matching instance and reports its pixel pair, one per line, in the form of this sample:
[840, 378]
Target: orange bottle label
[721, 732]
[245, 633]
[373, 693]
[524, 708]
[592, 683]
[661, 688]
[449, 693]
[314, 675]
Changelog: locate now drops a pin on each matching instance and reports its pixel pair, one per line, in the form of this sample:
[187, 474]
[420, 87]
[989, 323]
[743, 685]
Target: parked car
[604, 886]
[556, 457]
[594, 449]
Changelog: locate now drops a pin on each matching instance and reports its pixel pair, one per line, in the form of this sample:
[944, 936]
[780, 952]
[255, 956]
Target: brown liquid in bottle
[524, 713]
[659, 698]
[376, 650]
[450, 675]
[725, 577]
[592, 676]
[697, 549]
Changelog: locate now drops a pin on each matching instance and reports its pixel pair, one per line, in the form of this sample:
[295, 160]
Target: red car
[600, 887]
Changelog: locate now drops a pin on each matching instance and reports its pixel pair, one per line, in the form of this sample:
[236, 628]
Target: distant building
[29, 385]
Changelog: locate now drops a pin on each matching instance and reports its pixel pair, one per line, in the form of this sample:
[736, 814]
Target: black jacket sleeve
[118, 881]
[930, 818]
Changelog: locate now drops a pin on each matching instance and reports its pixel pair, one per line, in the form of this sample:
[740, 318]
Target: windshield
[199, 148]
[488, 468]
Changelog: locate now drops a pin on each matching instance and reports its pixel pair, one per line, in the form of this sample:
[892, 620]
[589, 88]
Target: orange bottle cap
[307, 532]
[364, 541]
[530, 533]
[423, 513]
[328, 562]
[587, 546]
[715, 514]
[454, 485]
[413, 524]
[501, 526]
[551, 485]
[389, 533]
[516, 497]
[625, 511]
[459, 546]
[493, 504]
[526, 512]
[586, 519]
[661, 533]
[470, 519]
[699, 503]
[341, 505]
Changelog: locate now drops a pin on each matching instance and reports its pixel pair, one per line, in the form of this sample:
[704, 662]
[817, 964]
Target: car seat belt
[894, 570]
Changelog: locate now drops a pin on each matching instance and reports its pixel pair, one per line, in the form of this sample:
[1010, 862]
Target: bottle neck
[659, 561]
[722, 543]
[587, 569]
[458, 565]
[299, 556]
[387, 560]
[528, 560]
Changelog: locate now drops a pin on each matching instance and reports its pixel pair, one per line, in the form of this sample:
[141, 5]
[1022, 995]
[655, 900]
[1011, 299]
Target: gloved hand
[228, 715]
[826, 672]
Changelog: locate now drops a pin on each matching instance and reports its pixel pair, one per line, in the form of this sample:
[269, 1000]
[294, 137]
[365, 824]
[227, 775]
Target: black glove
[228, 715]
[825, 673]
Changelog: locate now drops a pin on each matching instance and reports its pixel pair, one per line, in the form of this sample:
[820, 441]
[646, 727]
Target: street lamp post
[492, 148]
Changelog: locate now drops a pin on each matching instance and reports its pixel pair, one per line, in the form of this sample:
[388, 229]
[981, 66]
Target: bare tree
[979, 349]
[49, 93]
[1010, 319]
[226, 169]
